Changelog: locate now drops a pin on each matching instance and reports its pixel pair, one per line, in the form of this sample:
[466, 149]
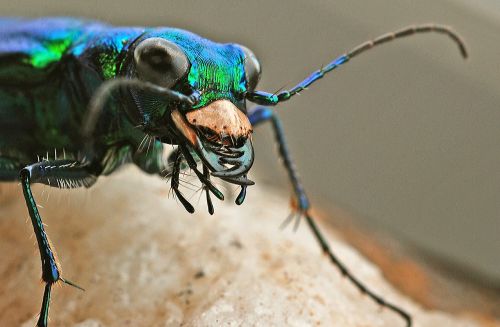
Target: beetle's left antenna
[98, 101]
[270, 99]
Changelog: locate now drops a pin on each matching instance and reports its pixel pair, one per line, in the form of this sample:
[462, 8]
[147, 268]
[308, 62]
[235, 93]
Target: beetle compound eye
[160, 62]
[252, 68]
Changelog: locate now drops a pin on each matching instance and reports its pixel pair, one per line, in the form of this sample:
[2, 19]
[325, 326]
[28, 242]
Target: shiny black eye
[252, 68]
[160, 62]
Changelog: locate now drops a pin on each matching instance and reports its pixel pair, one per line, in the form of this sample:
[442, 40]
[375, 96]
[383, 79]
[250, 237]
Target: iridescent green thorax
[108, 60]
[106, 49]
[217, 70]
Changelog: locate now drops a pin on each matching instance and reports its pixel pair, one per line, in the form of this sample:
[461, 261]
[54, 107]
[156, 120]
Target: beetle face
[216, 127]
[221, 136]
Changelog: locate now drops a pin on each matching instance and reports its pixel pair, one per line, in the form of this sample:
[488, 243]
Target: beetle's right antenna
[269, 99]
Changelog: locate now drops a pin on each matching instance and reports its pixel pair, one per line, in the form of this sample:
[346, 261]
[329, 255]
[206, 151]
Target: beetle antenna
[104, 92]
[269, 99]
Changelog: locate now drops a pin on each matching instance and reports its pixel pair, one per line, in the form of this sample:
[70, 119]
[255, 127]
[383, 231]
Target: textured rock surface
[144, 261]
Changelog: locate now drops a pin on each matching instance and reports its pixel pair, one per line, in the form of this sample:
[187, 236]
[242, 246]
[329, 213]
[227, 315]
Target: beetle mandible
[96, 92]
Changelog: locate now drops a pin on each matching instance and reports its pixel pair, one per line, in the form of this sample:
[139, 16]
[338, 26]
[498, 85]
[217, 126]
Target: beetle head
[217, 77]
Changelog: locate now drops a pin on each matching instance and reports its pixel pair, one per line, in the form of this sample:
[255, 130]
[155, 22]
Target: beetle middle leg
[259, 115]
[62, 174]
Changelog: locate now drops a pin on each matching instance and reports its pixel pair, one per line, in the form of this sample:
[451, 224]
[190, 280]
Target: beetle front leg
[259, 115]
[62, 174]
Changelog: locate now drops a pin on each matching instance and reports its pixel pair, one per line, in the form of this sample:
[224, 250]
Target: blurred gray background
[406, 136]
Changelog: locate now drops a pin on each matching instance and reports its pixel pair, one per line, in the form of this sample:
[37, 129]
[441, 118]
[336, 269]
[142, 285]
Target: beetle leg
[58, 173]
[192, 163]
[205, 181]
[174, 182]
[259, 115]
[206, 173]
[203, 177]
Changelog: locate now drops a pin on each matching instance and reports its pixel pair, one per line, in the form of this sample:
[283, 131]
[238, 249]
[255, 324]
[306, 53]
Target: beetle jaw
[223, 119]
[220, 134]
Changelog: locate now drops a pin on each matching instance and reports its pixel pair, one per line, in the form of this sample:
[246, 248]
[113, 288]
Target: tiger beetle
[95, 94]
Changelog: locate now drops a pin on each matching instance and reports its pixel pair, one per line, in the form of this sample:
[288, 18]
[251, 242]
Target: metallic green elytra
[79, 98]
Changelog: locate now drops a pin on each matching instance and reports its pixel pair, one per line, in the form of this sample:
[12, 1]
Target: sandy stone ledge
[144, 261]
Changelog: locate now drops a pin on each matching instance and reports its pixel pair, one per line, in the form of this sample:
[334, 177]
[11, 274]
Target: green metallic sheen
[217, 70]
[49, 69]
